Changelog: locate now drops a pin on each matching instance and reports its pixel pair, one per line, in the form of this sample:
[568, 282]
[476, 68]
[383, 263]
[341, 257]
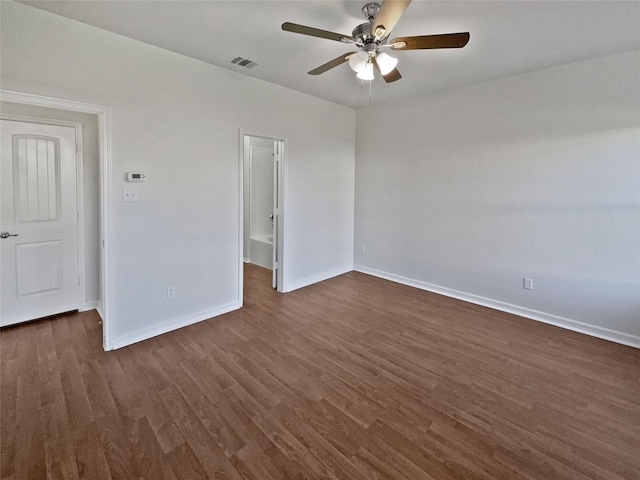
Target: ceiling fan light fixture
[386, 63]
[358, 61]
[366, 73]
[371, 37]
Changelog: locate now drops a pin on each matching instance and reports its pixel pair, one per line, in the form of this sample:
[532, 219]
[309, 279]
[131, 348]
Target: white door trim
[82, 301]
[282, 230]
[104, 128]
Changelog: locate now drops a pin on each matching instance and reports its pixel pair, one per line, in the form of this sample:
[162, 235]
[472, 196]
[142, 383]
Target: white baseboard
[99, 309]
[168, 326]
[92, 305]
[290, 287]
[567, 323]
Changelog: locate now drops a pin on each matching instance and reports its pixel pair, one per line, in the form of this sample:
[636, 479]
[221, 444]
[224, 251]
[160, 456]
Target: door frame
[77, 126]
[104, 137]
[282, 231]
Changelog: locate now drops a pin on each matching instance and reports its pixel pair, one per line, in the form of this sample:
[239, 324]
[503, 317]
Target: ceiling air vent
[243, 62]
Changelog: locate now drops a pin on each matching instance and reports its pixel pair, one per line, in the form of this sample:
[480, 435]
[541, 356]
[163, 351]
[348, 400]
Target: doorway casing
[279, 214]
[104, 132]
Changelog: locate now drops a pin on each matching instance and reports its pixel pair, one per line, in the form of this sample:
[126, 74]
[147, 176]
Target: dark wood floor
[353, 378]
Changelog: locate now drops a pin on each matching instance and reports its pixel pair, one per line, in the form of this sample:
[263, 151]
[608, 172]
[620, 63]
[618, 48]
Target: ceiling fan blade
[332, 64]
[389, 14]
[316, 32]
[447, 40]
[392, 76]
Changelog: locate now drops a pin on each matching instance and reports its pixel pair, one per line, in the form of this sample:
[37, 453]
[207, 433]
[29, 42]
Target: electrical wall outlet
[130, 194]
[363, 249]
[527, 284]
[171, 292]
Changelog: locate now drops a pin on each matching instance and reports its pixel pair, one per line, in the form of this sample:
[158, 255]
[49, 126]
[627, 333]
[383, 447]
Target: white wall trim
[305, 282]
[104, 129]
[574, 325]
[100, 310]
[240, 298]
[165, 327]
[92, 305]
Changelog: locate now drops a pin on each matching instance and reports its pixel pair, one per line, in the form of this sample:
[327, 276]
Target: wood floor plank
[185, 465]
[60, 458]
[117, 448]
[10, 368]
[251, 464]
[352, 378]
[74, 390]
[316, 444]
[146, 450]
[201, 443]
[209, 415]
[26, 425]
[91, 461]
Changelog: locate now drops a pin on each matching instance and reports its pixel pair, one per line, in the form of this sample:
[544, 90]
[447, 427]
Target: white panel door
[38, 221]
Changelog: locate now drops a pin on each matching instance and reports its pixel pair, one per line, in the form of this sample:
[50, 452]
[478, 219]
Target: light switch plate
[130, 194]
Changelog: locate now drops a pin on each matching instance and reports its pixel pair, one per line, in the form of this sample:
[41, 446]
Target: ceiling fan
[372, 36]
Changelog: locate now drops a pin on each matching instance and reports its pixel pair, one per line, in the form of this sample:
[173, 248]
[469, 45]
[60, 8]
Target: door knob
[7, 234]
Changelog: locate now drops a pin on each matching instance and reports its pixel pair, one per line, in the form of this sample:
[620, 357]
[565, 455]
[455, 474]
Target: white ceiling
[507, 38]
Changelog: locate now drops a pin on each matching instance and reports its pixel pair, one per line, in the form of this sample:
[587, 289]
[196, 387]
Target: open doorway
[93, 190]
[53, 264]
[262, 212]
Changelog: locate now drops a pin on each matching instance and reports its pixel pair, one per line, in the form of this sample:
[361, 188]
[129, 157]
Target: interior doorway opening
[96, 192]
[69, 279]
[262, 212]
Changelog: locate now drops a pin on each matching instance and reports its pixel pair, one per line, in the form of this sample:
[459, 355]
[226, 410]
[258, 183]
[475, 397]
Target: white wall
[538, 176]
[177, 120]
[91, 187]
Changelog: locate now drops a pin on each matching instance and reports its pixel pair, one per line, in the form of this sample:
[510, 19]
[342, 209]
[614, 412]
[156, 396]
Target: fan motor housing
[362, 33]
[363, 36]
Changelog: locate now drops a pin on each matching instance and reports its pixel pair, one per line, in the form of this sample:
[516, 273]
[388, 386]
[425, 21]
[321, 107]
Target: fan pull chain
[362, 88]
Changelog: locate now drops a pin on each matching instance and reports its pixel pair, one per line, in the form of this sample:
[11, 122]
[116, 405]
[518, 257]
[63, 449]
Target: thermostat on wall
[135, 177]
